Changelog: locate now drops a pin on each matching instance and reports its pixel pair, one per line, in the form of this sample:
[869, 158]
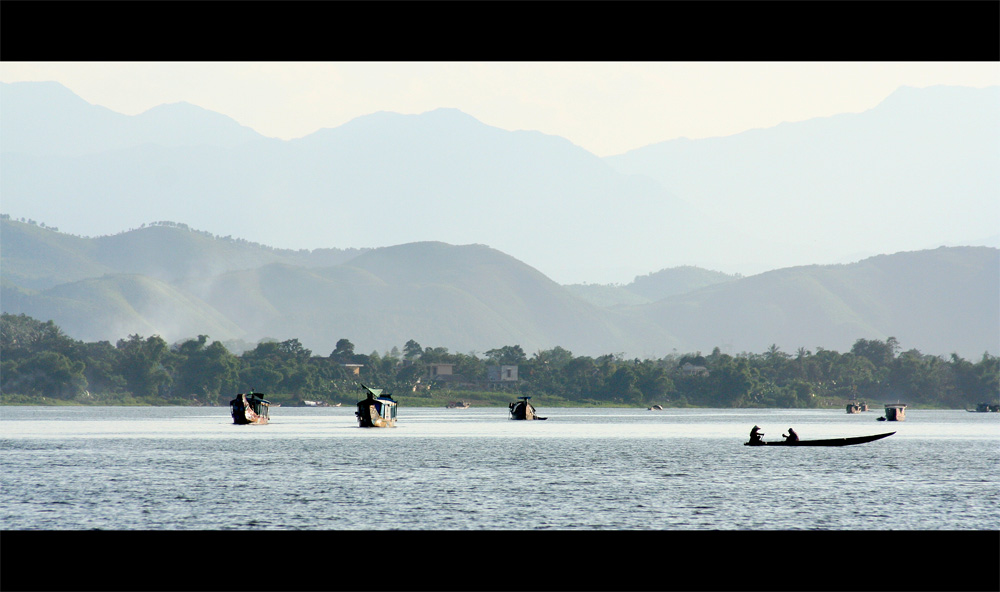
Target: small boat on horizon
[376, 410]
[458, 405]
[522, 409]
[250, 409]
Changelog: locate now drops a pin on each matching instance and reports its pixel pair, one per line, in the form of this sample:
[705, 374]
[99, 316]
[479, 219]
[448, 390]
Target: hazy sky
[605, 107]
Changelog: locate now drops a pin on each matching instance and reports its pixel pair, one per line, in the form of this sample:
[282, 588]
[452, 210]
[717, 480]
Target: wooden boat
[857, 406]
[522, 409]
[895, 411]
[985, 408]
[376, 410]
[827, 442]
[250, 408]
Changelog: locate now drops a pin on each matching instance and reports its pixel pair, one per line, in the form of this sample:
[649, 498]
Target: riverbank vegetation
[43, 366]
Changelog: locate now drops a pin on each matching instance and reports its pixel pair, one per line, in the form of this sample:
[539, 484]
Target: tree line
[42, 364]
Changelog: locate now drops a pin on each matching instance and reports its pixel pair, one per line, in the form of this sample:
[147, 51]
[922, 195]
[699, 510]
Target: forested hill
[38, 257]
[178, 283]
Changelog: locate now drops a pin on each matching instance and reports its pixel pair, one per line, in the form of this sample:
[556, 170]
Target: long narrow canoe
[828, 442]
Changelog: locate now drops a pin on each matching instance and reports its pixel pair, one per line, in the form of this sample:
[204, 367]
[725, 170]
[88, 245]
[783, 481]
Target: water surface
[186, 468]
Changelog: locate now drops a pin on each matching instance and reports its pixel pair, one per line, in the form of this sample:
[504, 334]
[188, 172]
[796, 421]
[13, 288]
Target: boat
[895, 411]
[655, 408]
[985, 408]
[857, 406]
[250, 408]
[826, 442]
[458, 405]
[522, 409]
[376, 410]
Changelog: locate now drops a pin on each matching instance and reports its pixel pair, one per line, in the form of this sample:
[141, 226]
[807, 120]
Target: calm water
[181, 468]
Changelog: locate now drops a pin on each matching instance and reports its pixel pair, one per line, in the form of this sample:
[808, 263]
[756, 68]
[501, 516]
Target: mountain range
[915, 172]
[171, 280]
[438, 228]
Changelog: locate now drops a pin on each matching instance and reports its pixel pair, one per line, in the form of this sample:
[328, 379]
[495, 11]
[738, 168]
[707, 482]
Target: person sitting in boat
[791, 436]
[756, 435]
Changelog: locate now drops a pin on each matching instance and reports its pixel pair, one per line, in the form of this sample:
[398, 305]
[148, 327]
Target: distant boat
[827, 442]
[376, 410]
[656, 408]
[985, 408]
[857, 406]
[315, 403]
[522, 409]
[895, 411]
[458, 405]
[250, 408]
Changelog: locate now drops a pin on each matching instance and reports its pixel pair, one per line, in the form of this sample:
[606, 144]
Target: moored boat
[857, 406]
[895, 411]
[458, 405]
[985, 408]
[825, 442]
[250, 408]
[522, 409]
[376, 410]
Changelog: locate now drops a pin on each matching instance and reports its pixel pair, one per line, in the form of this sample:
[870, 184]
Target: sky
[607, 108]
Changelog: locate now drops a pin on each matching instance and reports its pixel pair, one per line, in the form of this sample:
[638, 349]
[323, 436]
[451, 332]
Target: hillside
[465, 298]
[941, 300]
[167, 280]
[39, 258]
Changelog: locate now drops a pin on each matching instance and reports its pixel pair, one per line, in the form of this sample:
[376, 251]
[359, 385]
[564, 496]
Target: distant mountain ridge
[472, 298]
[380, 179]
[915, 172]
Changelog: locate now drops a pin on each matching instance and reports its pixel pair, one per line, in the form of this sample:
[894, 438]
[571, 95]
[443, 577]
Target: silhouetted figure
[791, 436]
[756, 435]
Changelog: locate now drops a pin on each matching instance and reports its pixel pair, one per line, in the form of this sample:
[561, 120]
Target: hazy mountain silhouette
[650, 287]
[475, 298]
[917, 171]
[47, 119]
[378, 180]
[939, 301]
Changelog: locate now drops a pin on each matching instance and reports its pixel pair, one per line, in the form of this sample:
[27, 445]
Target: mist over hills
[916, 172]
[379, 180]
[438, 228]
[472, 298]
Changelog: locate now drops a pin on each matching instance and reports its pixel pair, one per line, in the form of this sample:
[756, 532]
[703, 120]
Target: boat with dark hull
[985, 408]
[857, 406]
[376, 410]
[827, 442]
[522, 409]
[250, 409]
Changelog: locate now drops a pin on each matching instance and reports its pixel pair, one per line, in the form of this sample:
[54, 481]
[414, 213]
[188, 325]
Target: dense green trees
[41, 363]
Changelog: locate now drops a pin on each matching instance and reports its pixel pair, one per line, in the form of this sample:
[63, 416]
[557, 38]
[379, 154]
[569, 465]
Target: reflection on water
[191, 468]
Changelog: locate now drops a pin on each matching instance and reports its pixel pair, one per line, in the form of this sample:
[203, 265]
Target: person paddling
[791, 436]
[756, 435]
